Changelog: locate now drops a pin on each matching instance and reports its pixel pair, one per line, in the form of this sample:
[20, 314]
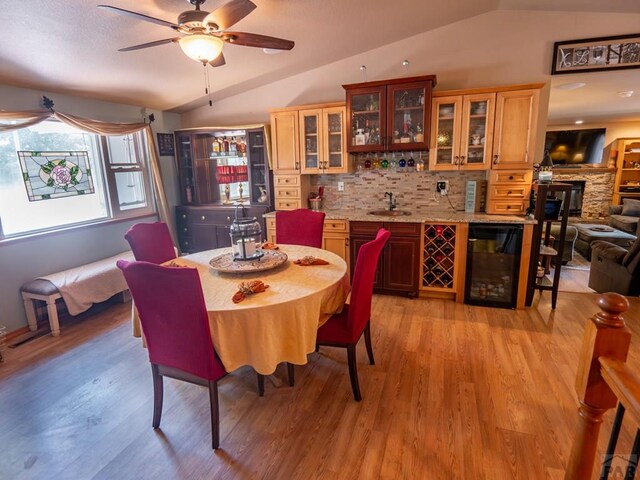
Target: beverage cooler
[493, 265]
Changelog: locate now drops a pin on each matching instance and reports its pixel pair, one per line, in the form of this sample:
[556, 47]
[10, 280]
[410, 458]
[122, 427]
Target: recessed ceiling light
[571, 86]
[579, 122]
[272, 51]
[625, 94]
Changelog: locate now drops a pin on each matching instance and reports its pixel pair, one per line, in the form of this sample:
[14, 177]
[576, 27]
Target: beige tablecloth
[279, 325]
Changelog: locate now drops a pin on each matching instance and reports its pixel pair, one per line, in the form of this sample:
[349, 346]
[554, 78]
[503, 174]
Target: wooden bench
[101, 279]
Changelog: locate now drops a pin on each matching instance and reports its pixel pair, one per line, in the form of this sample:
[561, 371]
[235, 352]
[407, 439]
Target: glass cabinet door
[310, 141]
[334, 139]
[406, 116]
[444, 152]
[366, 107]
[477, 131]
[185, 161]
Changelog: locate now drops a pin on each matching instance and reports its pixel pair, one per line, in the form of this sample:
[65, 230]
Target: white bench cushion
[82, 286]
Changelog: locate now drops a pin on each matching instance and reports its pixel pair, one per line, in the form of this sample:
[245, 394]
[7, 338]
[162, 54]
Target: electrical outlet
[341, 186]
[442, 187]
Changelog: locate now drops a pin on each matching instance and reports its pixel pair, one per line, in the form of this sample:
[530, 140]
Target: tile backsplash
[413, 191]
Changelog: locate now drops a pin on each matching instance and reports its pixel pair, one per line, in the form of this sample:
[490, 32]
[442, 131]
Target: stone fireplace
[592, 191]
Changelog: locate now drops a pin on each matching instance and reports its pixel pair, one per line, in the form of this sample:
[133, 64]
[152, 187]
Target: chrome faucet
[392, 201]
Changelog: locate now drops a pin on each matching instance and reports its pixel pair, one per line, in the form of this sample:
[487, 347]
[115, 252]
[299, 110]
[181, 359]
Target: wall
[25, 259]
[414, 191]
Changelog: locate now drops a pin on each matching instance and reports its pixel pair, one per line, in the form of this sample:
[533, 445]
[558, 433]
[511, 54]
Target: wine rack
[439, 256]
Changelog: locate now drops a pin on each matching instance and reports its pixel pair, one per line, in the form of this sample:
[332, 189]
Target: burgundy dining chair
[174, 318]
[300, 227]
[151, 242]
[345, 329]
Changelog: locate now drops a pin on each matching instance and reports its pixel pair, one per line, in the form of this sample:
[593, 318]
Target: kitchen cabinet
[508, 191]
[625, 152]
[397, 270]
[515, 127]
[389, 115]
[335, 236]
[322, 140]
[285, 142]
[462, 133]
[218, 169]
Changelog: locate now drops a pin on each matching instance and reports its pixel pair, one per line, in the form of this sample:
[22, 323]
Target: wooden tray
[270, 259]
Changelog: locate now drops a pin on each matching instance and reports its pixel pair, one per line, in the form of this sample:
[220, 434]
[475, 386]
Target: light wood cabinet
[508, 191]
[515, 129]
[335, 237]
[285, 142]
[462, 136]
[625, 152]
[322, 140]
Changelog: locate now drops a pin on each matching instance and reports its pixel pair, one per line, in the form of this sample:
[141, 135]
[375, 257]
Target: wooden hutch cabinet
[389, 114]
[222, 172]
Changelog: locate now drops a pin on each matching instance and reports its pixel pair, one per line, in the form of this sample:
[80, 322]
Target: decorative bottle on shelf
[188, 192]
[419, 136]
[233, 146]
[216, 146]
[225, 145]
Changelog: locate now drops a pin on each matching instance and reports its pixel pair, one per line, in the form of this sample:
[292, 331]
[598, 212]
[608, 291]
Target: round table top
[287, 283]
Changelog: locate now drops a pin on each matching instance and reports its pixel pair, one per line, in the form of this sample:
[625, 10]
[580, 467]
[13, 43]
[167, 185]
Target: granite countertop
[354, 215]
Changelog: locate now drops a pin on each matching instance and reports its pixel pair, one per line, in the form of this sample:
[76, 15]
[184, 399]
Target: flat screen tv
[575, 147]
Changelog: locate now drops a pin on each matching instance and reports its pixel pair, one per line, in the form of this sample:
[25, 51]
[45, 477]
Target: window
[118, 165]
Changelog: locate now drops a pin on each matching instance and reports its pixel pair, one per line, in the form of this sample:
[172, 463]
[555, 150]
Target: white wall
[25, 259]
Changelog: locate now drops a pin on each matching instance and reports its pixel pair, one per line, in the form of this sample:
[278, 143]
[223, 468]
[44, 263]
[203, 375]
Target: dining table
[274, 326]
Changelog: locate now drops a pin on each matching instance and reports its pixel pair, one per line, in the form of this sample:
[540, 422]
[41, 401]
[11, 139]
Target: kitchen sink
[389, 213]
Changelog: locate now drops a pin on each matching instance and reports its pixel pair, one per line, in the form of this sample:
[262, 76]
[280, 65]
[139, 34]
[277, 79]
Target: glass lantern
[545, 175]
[246, 237]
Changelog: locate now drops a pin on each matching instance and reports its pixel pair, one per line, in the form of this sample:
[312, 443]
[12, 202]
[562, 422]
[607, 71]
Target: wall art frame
[165, 144]
[596, 54]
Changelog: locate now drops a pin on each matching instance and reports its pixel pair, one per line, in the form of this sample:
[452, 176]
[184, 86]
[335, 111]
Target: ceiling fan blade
[218, 61]
[149, 44]
[139, 16]
[255, 40]
[229, 14]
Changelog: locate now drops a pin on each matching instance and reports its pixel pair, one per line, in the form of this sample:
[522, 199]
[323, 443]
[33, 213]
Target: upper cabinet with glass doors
[462, 134]
[389, 114]
[322, 140]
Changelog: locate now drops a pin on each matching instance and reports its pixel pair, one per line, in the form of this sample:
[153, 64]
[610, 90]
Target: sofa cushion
[632, 258]
[608, 250]
[625, 223]
[631, 207]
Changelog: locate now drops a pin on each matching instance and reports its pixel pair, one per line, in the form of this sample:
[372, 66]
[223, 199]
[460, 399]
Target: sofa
[625, 217]
[614, 268]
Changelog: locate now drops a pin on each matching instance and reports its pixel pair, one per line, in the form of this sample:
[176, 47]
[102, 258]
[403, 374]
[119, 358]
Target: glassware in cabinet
[445, 147]
[407, 116]
[366, 108]
[334, 138]
[310, 141]
[477, 131]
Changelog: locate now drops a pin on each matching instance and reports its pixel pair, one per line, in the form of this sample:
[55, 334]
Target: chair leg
[215, 414]
[157, 395]
[260, 384]
[353, 372]
[367, 342]
[291, 373]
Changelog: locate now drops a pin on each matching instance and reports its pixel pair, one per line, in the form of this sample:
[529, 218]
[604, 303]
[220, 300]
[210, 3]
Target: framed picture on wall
[596, 54]
[165, 144]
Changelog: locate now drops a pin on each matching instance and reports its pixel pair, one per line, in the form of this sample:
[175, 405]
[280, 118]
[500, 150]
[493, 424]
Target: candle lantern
[545, 174]
[246, 236]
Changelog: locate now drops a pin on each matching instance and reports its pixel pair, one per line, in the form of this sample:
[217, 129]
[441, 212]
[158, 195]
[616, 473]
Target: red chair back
[151, 242]
[174, 318]
[362, 285]
[300, 227]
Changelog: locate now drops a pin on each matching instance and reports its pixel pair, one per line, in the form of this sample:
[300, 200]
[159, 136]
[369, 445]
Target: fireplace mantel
[583, 170]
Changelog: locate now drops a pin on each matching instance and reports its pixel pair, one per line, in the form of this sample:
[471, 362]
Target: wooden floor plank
[457, 392]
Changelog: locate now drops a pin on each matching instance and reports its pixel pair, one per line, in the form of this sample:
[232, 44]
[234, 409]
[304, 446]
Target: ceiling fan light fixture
[201, 48]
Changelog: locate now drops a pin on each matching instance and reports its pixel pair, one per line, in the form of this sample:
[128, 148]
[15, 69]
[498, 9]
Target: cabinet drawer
[271, 224]
[217, 218]
[287, 192]
[506, 207]
[288, 204]
[335, 225]
[511, 176]
[515, 191]
[403, 229]
[286, 180]
[364, 228]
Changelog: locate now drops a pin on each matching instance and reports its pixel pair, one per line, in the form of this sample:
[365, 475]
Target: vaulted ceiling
[70, 46]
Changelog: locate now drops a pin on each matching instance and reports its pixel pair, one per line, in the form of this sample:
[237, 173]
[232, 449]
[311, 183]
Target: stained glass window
[49, 175]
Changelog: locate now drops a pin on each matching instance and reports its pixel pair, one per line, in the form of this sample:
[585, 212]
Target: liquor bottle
[366, 132]
[188, 193]
[374, 102]
[216, 146]
[225, 144]
[233, 146]
[242, 146]
[419, 136]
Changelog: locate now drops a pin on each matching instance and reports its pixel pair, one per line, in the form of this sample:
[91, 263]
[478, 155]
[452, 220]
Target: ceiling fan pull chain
[207, 88]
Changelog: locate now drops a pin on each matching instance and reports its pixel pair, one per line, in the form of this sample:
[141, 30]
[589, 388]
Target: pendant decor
[50, 175]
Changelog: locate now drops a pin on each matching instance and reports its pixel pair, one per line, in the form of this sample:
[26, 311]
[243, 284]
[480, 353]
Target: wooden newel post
[605, 335]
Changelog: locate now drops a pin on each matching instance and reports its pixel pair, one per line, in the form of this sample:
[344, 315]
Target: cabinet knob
[509, 192]
[186, 243]
[456, 160]
[510, 177]
[203, 217]
[495, 159]
[297, 165]
[228, 219]
[186, 229]
[508, 207]
[184, 216]
[462, 157]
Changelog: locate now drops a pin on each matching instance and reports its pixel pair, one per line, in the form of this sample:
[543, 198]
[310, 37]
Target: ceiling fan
[204, 33]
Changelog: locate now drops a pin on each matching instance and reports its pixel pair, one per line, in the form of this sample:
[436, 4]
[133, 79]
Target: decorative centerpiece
[246, 236]
[545, 174]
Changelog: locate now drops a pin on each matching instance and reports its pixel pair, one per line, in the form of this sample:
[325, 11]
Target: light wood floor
[457, 392]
